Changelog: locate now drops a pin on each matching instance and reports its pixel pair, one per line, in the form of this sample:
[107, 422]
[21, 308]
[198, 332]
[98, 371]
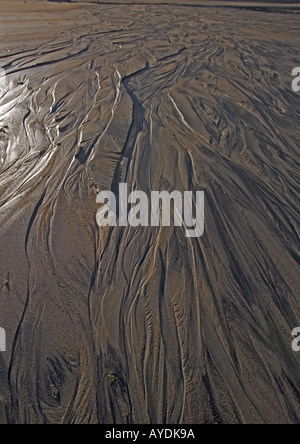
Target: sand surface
[142, 325]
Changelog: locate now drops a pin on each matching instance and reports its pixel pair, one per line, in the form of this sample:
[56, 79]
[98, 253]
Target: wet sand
[142, 325]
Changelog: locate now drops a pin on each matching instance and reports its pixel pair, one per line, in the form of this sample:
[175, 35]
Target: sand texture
[141, 324]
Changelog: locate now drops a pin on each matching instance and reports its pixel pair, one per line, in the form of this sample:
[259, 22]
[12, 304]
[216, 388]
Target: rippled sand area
[142, 324]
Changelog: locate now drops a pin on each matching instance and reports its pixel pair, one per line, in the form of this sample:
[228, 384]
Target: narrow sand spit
[143, 325]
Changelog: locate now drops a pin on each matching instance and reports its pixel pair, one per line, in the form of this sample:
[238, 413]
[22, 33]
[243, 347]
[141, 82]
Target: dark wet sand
[163, 98]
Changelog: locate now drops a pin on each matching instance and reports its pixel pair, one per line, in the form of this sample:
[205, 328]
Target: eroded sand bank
[139, 325]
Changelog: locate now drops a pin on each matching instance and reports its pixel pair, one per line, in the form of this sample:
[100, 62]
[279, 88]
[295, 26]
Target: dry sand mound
[139, 325]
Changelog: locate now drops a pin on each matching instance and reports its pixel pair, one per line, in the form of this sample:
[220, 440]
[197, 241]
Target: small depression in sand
[141, 324]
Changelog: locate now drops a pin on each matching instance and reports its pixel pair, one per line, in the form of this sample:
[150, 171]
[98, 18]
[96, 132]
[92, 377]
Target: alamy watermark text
[2, 340]
[134, 209]
[296, 341]
[296, 81]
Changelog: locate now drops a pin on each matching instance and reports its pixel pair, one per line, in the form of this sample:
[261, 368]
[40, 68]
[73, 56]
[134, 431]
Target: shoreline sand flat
[139, 325]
